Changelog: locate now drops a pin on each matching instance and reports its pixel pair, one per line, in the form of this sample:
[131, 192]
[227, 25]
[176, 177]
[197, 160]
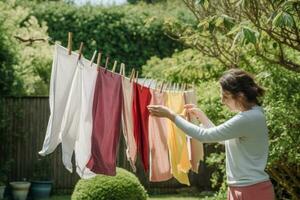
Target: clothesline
[134, 72]
[88, 106]
[168, 85]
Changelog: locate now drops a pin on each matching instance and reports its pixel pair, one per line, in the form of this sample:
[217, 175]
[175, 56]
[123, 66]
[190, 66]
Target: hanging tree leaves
[227, 30]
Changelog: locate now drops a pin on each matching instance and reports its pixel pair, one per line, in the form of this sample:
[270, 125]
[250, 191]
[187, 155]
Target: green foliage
[282, 104]
[218, 177]
[187, 66]
[228, 31]
[123, 32]
[7, 58]
[26, 64]
[124, 185]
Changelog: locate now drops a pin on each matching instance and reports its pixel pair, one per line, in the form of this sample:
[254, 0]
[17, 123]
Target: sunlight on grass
[61, 197]
[156, 197]
[179, 197]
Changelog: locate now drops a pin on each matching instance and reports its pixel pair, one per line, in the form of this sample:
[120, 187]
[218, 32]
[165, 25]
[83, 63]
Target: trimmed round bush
[124, 185]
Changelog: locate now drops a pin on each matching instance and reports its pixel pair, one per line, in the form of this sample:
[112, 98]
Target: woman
[245, 135]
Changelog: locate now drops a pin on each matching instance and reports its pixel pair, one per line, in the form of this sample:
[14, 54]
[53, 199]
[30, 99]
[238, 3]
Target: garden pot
[40, 189]
[20, 189]
[2, 190]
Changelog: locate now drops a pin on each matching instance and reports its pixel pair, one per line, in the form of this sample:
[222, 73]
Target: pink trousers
[259, 191]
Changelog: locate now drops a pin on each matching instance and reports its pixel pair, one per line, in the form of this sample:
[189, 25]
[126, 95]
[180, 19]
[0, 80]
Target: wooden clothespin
[106, 63]
[150, 82]
[145, 79]
[156, 84]
[174, 86]
[136, 76]
[70, 35]
[132, 74]
[177, 86]
[170, 86]
[162, 85]
[124, 72]
[98, 60]
[80, 50]
[93, 58]
[166, 85]
[122, 69]
[114, 67]
[180, 86]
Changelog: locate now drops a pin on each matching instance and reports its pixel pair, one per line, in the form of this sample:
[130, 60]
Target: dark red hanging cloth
[107, 108]
[141, 99]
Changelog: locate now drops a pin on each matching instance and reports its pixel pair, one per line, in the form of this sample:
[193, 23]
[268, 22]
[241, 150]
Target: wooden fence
[24, 122]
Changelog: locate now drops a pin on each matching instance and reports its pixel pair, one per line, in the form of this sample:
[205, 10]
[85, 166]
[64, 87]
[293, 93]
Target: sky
[104, 2]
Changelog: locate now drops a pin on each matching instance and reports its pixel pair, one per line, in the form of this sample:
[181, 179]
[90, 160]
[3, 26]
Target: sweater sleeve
[232, 128]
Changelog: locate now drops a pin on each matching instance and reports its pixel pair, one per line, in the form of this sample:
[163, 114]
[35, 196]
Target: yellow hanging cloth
[177, 140]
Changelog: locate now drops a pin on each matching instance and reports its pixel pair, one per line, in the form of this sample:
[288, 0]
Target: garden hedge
[121, 32]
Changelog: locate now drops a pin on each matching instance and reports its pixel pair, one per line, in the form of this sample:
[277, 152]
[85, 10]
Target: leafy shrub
[186, 66]
[7, 57]
[124, 185]
[122, 32]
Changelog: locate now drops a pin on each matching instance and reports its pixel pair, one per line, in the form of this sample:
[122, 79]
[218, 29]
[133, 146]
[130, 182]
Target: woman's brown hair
[236, 81]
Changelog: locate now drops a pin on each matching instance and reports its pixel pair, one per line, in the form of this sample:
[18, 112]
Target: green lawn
[156, 197]
[179, 197]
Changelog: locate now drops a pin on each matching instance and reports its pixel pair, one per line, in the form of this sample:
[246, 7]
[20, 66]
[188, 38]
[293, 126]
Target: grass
[179, 197]
[159, 197]
[68, 197]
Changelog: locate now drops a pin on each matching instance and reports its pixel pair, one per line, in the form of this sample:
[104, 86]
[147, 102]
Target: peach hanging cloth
[127, 121]
[160, 169]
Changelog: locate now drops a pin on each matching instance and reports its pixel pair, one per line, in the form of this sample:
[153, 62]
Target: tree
[227, 30]
[26, 56]
[262, 37]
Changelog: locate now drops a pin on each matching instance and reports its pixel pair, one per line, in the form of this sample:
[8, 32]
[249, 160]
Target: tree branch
[29, 40]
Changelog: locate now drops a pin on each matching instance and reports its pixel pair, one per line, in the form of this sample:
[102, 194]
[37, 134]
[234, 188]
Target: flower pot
[2, 189]
[40, 189]
[20, 189]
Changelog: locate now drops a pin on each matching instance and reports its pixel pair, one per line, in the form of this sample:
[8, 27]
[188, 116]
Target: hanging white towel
[77, 122]
[63, 69]
[83, 143]
[71, 119]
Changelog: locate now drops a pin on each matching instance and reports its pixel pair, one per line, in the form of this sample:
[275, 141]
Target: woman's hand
[161, 111]
[192, 110]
